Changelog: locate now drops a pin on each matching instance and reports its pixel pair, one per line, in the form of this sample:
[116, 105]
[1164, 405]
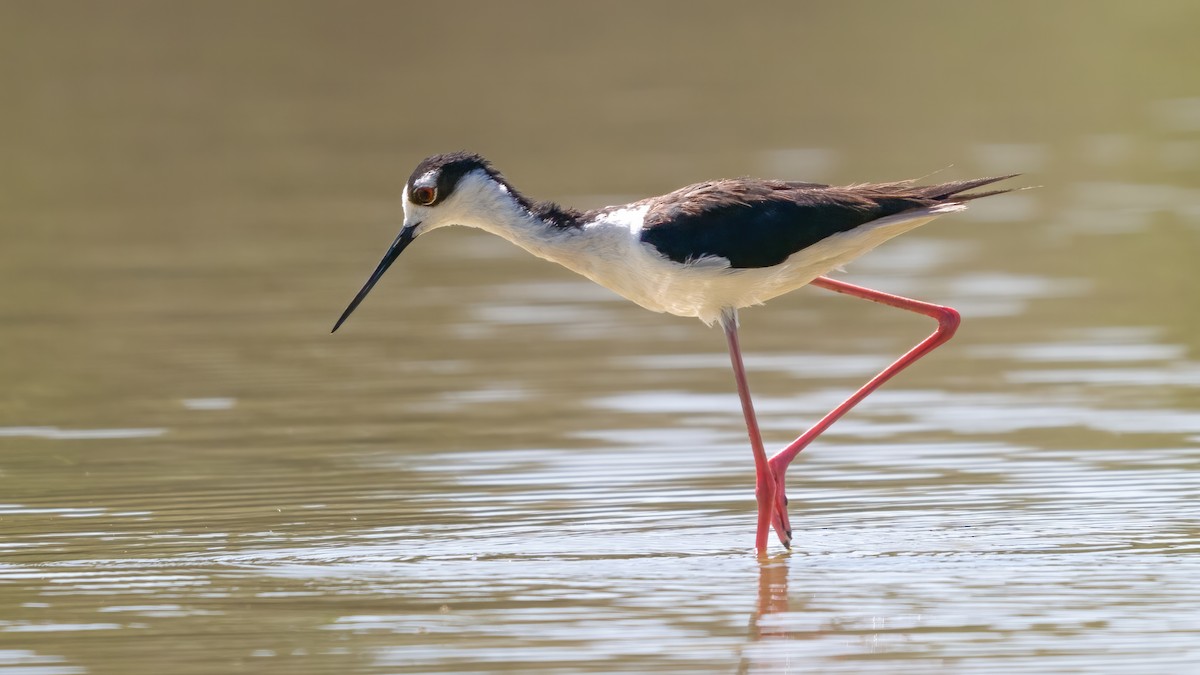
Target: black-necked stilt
[705, 250]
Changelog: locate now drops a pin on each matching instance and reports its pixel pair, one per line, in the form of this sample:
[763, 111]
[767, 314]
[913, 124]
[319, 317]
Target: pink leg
[948, 320]
[765, 482]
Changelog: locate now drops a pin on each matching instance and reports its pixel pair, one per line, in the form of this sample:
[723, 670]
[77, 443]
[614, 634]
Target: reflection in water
[772, 594]
[25, 661]
[55, 433]
[767, 622]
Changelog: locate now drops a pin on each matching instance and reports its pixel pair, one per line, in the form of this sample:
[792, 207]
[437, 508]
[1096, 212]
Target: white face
[472, 201]
[421, 216]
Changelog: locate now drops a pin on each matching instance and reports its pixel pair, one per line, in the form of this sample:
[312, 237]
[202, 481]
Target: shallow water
[496, 466]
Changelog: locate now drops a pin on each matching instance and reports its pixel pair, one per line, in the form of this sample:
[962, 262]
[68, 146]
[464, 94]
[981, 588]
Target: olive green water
[497, 467]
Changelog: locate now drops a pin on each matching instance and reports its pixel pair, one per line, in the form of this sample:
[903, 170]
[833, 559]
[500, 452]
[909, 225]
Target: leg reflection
[772, 598]
[764, 627]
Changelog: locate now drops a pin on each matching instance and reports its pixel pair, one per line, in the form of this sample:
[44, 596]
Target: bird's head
[458, 188]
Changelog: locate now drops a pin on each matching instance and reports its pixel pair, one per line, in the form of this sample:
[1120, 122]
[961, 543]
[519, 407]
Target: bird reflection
[772, 599]
[772, 595]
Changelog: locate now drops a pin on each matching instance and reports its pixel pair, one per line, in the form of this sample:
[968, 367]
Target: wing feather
[761, 223]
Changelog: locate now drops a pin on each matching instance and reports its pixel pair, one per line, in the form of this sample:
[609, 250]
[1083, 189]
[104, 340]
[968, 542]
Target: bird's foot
[780, 520]
[772, 513]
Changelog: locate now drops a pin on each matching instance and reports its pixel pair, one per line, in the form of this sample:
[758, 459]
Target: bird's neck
[596, 244]
[545, 229]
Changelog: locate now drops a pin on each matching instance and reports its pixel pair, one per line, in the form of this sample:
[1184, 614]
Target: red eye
[424, 195]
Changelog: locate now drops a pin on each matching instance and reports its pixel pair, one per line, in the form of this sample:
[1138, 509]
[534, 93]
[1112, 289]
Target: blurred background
[496, 466]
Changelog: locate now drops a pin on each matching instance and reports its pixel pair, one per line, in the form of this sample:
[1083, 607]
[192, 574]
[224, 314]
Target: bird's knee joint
[948, 320]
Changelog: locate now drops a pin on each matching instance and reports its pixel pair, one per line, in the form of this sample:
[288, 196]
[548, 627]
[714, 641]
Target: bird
[706, 251]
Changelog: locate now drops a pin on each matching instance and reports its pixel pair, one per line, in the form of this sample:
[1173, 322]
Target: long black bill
[402, 241]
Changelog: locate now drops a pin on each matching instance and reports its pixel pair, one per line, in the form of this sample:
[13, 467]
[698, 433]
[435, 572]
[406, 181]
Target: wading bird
[706, 250]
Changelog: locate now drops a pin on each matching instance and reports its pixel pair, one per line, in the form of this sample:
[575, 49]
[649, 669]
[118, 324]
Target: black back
[760, 223]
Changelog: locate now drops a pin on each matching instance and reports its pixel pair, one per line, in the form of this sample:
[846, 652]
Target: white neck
[480, 202]
[498, 212]
[601, 249]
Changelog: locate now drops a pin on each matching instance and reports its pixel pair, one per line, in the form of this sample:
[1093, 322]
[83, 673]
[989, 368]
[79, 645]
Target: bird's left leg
[765, 482]
[948, 320]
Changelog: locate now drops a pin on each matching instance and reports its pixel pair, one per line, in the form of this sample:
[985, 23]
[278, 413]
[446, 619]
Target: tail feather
[917, 196]
[954, 191]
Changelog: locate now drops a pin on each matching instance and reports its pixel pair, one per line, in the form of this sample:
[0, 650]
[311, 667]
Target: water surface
[498, 467]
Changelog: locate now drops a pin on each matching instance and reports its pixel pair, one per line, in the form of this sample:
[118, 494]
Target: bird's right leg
[948, 320]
